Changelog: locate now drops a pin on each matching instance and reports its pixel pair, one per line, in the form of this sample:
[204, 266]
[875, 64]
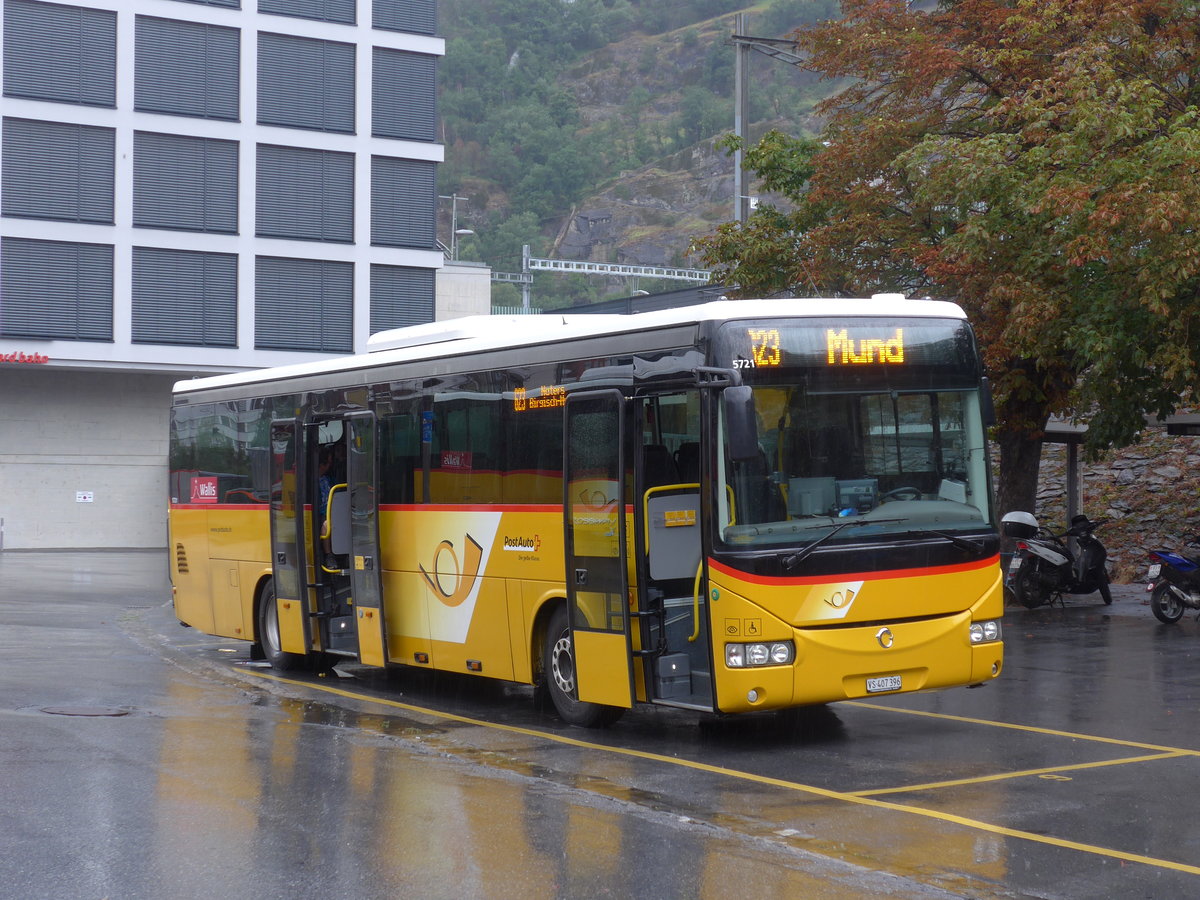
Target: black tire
[1167, 608]
[268, 634]
[559, 662]
[1028, 588]
[1105, 593]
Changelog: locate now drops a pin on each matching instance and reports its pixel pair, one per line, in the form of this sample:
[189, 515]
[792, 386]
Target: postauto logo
[523, 544]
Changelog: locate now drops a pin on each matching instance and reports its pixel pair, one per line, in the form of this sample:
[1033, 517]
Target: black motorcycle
[1174, 584]
[1044, 567]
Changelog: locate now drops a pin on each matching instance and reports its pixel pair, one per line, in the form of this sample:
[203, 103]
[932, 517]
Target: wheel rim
[1170, 603]
[270, 635]
[562, 666]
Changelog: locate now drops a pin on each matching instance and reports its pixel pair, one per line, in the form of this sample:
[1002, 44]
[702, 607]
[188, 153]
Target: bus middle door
[289, 559]
[362, 469]
[596, 485]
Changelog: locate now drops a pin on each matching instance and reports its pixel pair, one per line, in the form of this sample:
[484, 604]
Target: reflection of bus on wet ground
[731, 507]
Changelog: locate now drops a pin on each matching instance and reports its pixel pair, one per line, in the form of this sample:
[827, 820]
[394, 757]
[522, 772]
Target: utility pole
[742, 51]
[454, 198]
[778, 48]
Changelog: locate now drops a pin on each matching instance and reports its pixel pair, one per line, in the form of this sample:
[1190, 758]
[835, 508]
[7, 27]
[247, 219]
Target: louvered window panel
[53, 170]
[400, 296]
[62, 53]
[184, 297]
[403, 104]
[303, 304]
[305, 194]
[416, 16]
[186, 183]
[186, 68]
[403, 194]
[229, 4]
[323, 10]
[305, 83]
[56, 290]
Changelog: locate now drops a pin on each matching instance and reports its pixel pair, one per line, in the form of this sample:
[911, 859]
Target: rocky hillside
[1150, 492]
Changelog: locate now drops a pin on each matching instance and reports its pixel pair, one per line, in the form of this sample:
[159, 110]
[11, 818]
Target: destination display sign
[847, 344]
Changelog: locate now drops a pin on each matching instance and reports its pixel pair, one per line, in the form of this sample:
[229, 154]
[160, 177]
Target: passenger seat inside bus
[687, 461]
[658, 466]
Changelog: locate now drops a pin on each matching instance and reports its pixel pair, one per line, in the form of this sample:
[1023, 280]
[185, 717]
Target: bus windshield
[867, 429]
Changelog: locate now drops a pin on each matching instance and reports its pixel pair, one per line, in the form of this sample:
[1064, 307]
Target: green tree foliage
[1036, 161]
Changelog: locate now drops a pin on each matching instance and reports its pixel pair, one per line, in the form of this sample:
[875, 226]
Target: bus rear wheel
[268, 634]
[559, 663]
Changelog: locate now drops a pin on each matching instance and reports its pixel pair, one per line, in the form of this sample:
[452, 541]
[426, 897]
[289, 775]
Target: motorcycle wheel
[1029, 590]
[1166, 606]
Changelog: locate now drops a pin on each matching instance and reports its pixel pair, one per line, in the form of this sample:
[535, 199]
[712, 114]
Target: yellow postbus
[730, 507]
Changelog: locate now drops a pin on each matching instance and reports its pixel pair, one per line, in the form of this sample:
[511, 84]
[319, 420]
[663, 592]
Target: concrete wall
[463, 289]
[68, 431]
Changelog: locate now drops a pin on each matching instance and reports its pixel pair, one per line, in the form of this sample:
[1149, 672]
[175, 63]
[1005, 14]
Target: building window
[416, 16]
[322, 10]
[184, 297]
[53, 170]
[186, 183]
[63, 53]
[56, 290]
[305, 194]
[400, 296]
[303, 304]
[186, 68]
[228, 4]
[403, 95]
[403, 195]
[305, 83]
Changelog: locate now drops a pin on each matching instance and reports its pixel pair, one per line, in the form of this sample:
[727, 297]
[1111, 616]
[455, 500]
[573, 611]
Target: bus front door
[362, 470]
[289, 561]
[596, 483]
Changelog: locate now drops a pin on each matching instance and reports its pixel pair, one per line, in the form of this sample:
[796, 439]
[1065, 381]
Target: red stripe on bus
[473, 507]
[263, 507]
[784, 580]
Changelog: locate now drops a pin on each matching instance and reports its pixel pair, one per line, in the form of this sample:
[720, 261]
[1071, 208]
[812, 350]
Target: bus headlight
[985, 632]
[773, 653]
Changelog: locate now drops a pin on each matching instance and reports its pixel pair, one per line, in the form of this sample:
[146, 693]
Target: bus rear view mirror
[740, 423]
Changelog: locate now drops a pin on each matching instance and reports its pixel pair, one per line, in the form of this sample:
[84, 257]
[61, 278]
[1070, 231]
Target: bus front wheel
[559, 663]
[268, 634]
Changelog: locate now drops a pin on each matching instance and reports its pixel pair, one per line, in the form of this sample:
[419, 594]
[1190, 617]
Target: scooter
[1174, 584]
[1044, 567]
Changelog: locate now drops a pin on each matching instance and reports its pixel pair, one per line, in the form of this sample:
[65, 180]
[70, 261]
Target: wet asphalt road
[141, 759]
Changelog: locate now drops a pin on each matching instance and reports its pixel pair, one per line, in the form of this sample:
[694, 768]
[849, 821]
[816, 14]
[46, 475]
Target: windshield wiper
[962, 543]
[790, 562]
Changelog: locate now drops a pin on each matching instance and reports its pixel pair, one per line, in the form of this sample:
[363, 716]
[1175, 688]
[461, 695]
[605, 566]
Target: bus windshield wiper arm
[963, 543]
[790, 562]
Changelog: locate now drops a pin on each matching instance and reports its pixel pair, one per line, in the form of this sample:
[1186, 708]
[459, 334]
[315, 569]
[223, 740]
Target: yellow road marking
[1027, 773]
[777, 782]
[1033, 729]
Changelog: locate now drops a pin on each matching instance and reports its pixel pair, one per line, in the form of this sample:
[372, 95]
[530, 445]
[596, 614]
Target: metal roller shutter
[186, 183]
[403, 198]
[403, 97]
[56, 290]
[184, 297]
[186, 68]
[303, 304]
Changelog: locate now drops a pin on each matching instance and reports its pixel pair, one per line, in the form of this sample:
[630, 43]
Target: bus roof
[475, 334]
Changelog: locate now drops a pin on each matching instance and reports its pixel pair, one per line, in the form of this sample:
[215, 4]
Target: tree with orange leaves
[1038, 162]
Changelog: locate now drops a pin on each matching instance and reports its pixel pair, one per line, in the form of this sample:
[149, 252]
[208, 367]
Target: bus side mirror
[740, 423]
[988, 404]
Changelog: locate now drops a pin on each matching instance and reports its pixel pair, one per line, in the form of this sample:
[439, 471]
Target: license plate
[1014, 564]
[1155, 570]
[883, 683]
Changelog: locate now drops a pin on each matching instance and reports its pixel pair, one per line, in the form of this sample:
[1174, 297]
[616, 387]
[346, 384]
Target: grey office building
[190, 187]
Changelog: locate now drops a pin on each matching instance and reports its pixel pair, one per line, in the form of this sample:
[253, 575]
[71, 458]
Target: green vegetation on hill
[547, 103]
